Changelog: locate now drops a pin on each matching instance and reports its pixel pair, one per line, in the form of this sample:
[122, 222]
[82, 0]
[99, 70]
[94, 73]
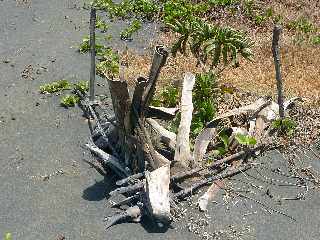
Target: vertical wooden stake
[276, 56]
[92, 51]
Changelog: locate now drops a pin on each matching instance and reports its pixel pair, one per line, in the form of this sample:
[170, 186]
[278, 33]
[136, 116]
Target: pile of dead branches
[153, 178]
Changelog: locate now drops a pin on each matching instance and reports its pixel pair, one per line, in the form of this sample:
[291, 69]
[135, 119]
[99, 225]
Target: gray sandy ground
[37, 138]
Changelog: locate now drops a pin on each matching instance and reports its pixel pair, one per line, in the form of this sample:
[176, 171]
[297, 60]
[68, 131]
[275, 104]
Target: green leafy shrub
[100, 24]
[204, 100]
[223, 2]
[109, 63]
[302, 25]
[128, 8]
[55, 86]
[286, 126]
[85, 46]
[182, 10]
[127, 33]
[316, 40]
[82, 86]
[69, 100]
[170, 96]
[210, 42]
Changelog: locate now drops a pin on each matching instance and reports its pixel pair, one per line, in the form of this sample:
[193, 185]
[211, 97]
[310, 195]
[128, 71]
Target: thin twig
[188, 191]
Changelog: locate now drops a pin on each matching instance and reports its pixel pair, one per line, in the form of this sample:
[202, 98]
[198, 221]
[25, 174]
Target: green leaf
[221, 151]
[245, 139]
[251, 140]
[241, 139]
[225, 139]
[8, 236]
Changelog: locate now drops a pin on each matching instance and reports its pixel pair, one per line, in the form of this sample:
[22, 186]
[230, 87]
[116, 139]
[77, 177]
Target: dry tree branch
[167, 137]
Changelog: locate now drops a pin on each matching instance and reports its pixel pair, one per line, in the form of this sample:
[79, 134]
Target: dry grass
[300, 72]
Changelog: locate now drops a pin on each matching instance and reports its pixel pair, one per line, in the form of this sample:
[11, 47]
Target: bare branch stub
[159, 59]
[276, 55]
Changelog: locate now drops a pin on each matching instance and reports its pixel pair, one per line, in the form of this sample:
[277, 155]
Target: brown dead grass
[300, 72]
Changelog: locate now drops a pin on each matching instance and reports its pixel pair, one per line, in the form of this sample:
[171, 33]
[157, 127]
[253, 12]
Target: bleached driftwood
[182, 153]
[157, 193]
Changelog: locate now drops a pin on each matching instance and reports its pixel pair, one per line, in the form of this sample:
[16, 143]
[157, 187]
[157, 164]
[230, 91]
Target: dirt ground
[47, 190]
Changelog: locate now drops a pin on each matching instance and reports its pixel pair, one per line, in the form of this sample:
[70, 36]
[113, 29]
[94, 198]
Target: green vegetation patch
[56, 86]
[69, 100]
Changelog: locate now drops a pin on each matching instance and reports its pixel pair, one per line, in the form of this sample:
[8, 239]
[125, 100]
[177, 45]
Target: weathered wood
[131, 214]
[188, 191]
[180, 176]
[129, 189]
[109, 160]
[166, 137]
[137, 95]
[209, 195]
[130, 179]
[201, 144]
[122, 107]
[182, 153]
[138, 163]
[121, 102]
[289, 103]
[125, 201]
[276, 56]
[159, 59]
[161, 112]
[251, 109]
[155, 159]
[157, 193]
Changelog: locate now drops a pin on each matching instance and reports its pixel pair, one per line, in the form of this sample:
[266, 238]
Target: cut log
[166, 137]
[122, 107]
[121, 103]
[182, 153]
[157, 193]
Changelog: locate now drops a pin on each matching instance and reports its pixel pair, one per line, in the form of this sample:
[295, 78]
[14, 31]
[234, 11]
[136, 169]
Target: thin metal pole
[276, 55]
[93, 52]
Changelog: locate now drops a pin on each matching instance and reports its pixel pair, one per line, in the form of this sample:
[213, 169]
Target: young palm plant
[211, 43]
